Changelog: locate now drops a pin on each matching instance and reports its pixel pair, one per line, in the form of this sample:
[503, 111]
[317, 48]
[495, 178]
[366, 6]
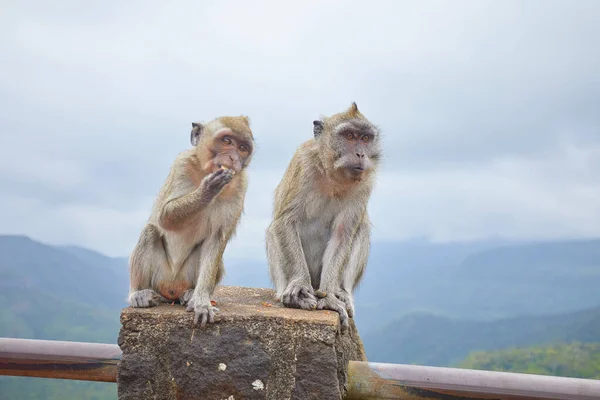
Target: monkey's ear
[317, 128]
[197, 129]
[353, 110]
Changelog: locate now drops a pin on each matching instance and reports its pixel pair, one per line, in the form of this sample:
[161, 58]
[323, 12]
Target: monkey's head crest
[350, 113]
[353, 111]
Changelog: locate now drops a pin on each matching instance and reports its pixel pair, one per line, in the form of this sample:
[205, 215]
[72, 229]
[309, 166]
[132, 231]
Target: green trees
[575, 359]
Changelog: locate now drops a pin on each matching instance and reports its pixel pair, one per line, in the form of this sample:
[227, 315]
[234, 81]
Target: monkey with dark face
[179, 254]
[319, 239]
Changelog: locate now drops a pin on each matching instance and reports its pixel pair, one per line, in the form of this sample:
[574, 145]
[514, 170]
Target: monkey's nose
[360, 155]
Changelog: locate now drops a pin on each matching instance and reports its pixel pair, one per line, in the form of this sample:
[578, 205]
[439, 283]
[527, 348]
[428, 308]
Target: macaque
[179, 254]
[319, 239]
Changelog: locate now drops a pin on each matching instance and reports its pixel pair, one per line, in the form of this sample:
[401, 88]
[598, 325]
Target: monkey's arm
[178, 208]
[348, 237]
[288, 267]
[287, 262]
[211, 266]
[211, 257]
[290, 255]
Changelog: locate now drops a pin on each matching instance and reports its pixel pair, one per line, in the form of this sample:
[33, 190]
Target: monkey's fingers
[190, 308]
[332, 303]
[347, 300]
[350, 310]
[218, 182]
[344, 319]
[218, 172]
[305, 291]
[208, 315]
[204, 314]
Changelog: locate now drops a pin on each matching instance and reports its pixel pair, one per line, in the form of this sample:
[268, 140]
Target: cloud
[548, 197]
[489, 110]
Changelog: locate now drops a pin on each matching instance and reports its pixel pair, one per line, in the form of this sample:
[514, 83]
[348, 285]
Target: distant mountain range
[474, 281]
[426, 339]
[480, 281]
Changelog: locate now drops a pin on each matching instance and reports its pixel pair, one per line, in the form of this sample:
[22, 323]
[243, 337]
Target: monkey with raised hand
[318, 241]
[179, 254]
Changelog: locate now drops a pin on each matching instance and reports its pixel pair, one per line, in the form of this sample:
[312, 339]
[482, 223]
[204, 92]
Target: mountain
[25, 263]
[552, 261]
[441, 341]
[119, 265]
[477, 281]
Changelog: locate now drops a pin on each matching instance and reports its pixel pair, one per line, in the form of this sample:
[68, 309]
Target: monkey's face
[356, 144]
[230, 149]
[225, 142]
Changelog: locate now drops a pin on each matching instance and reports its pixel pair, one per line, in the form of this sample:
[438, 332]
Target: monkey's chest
[314, 236]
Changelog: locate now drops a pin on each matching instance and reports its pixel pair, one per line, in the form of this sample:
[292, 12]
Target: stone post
[256, 350]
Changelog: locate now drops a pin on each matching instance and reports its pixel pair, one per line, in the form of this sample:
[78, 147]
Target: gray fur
[318, 239]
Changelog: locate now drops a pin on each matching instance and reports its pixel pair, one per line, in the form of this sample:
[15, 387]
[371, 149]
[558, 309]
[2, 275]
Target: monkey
[179, 253]
[318, 240]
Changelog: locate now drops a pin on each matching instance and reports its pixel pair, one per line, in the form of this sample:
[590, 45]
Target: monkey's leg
[287, 266]
[146, 262]
[209, 273]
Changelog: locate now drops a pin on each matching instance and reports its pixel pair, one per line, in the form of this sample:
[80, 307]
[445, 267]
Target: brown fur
[179, 255]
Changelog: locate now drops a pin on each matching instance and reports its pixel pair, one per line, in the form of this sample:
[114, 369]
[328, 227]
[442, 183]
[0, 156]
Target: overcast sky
[490, 111]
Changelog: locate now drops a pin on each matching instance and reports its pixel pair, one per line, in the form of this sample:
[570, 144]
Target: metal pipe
[368, 380]
[99, 362]
[59, 360]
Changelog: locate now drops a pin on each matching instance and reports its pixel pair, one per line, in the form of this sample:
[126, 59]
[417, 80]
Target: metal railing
[366, 380]
[59, 360]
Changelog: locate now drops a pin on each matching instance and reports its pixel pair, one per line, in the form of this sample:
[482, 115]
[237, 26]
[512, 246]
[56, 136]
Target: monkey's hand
[299, 296]
[144, 298]
[203, 310]
[347, 299]
[331, 302]
[212, 184]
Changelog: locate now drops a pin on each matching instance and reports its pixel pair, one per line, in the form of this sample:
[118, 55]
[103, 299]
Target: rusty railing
[366, 380]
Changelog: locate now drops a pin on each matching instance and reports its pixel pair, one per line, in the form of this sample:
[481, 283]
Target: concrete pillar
[256, 350]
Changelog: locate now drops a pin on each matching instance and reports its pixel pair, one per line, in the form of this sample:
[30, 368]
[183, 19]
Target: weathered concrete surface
[256, 350]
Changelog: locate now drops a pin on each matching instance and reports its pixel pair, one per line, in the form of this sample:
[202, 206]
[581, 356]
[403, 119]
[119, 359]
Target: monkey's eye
[365, 138]
[226, 140]
[349, 136]
[243, 149]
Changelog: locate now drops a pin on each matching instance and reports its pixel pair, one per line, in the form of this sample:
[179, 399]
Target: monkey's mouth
[356, 169]
[226, 168]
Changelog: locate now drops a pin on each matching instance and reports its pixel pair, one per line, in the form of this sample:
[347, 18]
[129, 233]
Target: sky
[489, 111]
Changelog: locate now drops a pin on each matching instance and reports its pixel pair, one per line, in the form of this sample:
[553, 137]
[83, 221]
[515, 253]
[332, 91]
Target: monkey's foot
[203, 311]
[348, 301]
[331, 302]
[144, 298]
[185, 298]
[299, 296]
